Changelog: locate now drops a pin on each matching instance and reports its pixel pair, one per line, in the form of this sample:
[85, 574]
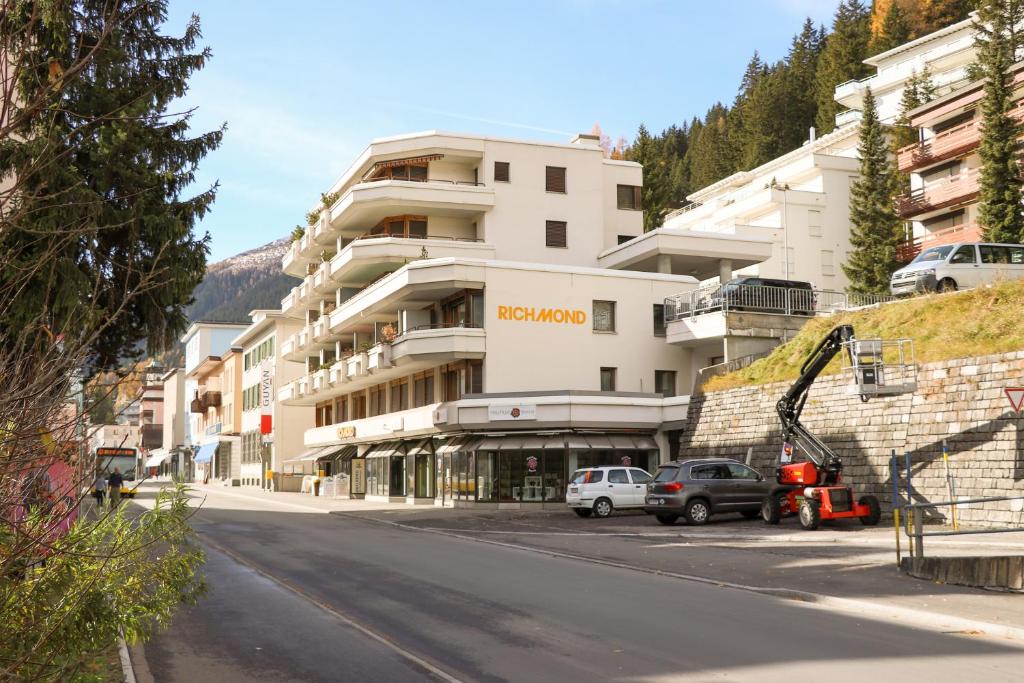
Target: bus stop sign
[1016, 396]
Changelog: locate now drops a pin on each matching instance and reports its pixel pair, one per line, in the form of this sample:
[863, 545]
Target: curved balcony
[437, 342]
[368, 257]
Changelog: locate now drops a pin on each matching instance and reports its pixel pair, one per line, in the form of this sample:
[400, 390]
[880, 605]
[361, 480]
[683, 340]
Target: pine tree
[645, 152]
[842, 58]
[874, 226]
[895, 30]
[124, 164]
[919, 89]
[938, 14]
[710, 156]
[999, 210]
[799, 83]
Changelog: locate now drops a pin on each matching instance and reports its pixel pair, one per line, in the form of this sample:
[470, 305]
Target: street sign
[1016, 396]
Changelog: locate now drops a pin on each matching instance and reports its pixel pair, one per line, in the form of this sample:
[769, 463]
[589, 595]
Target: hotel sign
[346, 432]
[559, 316]
[511, 412]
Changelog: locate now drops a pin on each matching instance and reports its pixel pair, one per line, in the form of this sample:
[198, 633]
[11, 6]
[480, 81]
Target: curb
[934, 621]
[127, 670]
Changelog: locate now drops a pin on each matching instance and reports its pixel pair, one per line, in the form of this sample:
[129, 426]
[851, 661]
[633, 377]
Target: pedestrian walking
[99, 488]
[114, 483]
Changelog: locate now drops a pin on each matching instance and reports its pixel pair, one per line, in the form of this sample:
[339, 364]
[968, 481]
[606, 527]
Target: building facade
[210, 425]
[944, 167]
[176, 456]
[470, 331]
[263, 455]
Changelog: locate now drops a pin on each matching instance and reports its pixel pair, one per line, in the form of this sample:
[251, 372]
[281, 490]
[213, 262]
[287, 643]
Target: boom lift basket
[881, 367]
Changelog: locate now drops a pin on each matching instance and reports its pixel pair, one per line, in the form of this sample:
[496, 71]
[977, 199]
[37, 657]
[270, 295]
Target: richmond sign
[561, 316]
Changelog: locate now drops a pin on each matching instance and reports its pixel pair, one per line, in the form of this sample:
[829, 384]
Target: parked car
[699, 488]
[949, 267]
[765, 295]
[599, 491]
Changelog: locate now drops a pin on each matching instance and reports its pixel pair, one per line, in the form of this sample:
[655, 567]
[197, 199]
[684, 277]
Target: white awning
[157, 457]
[311, 454]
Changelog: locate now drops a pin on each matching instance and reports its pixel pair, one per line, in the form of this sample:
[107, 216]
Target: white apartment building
[471, 332]
[173, 450]
[265, 454]
[799, 202]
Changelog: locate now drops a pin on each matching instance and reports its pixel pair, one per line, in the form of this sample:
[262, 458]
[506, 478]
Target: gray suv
[697, 489]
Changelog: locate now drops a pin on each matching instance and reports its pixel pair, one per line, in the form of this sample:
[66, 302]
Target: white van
[964, 265]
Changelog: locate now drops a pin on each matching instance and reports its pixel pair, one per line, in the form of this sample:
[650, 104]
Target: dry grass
[943, 326]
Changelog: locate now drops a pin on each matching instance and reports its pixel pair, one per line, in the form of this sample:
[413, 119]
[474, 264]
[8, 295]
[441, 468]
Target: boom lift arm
[826, 462]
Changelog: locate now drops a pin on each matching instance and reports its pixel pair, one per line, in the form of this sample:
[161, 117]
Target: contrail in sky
[466, 117]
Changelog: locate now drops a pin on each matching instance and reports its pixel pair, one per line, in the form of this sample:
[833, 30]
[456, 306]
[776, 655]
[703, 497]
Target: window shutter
[554, 180]
[555, 234]
[501, 172]
[638, 201]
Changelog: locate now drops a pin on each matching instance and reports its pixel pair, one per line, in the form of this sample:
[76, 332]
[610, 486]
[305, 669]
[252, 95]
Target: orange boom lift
[814, 489]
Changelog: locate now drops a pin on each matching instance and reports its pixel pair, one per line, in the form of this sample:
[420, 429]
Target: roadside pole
[894, 474]
[950, 487]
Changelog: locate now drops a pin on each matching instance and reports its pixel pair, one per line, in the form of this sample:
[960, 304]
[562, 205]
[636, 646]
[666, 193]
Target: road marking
[930, 621]
[333, 611]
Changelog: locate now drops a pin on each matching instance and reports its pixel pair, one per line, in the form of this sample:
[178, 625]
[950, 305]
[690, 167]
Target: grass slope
[943, 326]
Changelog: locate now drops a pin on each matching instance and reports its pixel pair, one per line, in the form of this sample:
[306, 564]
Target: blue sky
[305, 85]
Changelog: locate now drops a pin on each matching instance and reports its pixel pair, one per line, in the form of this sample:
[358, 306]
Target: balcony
[288, 347]
[355, 366]
[947, 192]
[907, 251]
[210, 399]
[320, 380]
[948, 144]
[337, 374]
[320, 329]
[439, 343]
[378, 358]
[288, 392]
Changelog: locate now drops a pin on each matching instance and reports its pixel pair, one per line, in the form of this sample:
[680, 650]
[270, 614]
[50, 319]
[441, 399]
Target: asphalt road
[481, 612]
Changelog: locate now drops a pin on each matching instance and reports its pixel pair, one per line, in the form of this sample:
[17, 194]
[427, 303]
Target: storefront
[512, 470]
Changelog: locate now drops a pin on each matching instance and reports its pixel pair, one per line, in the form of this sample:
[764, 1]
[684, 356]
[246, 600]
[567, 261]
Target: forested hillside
[237, 285]
[777, 103]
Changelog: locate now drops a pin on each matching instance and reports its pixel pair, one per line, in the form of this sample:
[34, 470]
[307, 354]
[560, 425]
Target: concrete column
[724, 270]
[438, 393]
[665, 264]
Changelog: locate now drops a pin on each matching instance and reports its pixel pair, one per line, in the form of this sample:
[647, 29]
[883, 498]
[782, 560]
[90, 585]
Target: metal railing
[470, 183]
[400, 235]
[764, 299]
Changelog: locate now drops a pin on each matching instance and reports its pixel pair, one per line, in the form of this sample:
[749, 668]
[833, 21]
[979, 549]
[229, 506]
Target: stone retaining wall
[960, 401]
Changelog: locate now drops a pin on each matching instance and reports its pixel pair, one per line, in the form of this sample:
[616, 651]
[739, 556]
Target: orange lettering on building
[564, 316]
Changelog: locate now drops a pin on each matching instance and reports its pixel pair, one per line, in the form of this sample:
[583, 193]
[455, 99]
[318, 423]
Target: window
[665, 382]
[588, 477]
[948, 220]
[423, 389]
[666, 474]
[940, 173]
[618, 477]
[964, 254]
[401, 226]
[709, 472]
[377, 400]
[743, 472]
[475, 377]
[814, 222]
[639, 476]
[1001, 255]
[358, 407]
[501, 172]
[554, 179]
[625, 238]
[628, 197]
[451, 382]
[659, 320]
[604, 316]
[399, 395]
[827, 268]
[341, 410]
[607, 379]
[555, 234]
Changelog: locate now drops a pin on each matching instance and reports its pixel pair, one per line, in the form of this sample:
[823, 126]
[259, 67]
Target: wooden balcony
[948, 144]
[970, 232]
[947, 192]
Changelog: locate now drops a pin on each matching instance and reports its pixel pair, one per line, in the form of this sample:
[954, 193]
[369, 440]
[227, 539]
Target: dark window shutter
[638, 201]
[501, 172]
[555, 234]
[554, 179]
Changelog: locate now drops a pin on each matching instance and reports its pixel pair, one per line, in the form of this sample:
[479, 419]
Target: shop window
[487, 477]
[665, 382]
[608, 379]
[396, 476]
[604, 316]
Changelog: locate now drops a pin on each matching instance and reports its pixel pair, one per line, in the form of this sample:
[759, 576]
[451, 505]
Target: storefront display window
[397, 475]
[487, 477]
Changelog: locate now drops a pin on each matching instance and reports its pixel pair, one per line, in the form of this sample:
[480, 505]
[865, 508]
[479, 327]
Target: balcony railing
[945, 145]
[970, 232]
[947, 192]
[442, 181]
[763, 299]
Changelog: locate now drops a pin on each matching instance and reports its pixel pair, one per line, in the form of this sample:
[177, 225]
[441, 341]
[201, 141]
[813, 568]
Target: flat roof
[691, 252]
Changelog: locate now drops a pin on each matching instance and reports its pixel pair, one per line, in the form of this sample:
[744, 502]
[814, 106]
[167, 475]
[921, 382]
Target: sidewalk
[304, 501]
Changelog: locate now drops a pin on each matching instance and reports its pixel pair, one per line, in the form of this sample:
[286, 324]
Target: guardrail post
[894, 474]
[919, 536]
[910, 510]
